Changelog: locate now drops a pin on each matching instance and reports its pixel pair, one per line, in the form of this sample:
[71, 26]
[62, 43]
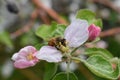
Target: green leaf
[98, 22]
[59, 30]
[65, 76]
[5, 39]
[103, 52]
[50, 70]
[89, 16]
[101, 67]
[39, 45]
[46, 32]
[85, 14]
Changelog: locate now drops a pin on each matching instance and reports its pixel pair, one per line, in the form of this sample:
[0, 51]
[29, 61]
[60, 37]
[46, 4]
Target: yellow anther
[30, 57]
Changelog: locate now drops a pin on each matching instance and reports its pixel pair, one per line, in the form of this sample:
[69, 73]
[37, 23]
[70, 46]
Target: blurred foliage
[50, 70]
[37, 72]
[29, 39]
[114, 46]
[5, 39]
[64, 75]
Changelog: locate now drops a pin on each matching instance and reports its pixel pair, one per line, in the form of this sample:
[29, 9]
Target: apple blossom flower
[94, 32]
[75, 35]
[25, 57]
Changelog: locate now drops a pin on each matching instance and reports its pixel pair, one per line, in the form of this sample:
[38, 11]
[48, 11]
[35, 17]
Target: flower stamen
[30, 57]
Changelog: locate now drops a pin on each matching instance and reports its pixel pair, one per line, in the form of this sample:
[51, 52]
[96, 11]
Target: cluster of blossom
[77, 33]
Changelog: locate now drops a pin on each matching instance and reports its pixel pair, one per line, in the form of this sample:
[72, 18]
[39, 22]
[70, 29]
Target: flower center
[59, 43]
[30, 57]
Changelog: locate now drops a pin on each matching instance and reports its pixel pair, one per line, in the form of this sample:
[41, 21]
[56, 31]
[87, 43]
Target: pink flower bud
[25, 57]
[94, 32]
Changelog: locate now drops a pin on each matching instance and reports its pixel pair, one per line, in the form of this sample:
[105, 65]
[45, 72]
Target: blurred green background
[18, 23]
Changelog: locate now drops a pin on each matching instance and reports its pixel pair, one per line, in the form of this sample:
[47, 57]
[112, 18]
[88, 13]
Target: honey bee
[59, 43]
[52, 42]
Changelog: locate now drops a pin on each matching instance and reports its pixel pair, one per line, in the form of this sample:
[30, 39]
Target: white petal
[50, 54]
[15, 56]
[77, 33]
[7, 69]
[73, 66]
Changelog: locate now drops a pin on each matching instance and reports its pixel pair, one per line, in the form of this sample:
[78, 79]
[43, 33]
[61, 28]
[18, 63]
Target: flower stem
[77, 59]
[68, 69]
[75, 50]
[68, 65]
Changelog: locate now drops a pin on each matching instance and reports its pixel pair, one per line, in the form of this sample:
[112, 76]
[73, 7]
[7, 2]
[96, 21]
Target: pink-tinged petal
[94, 32]
[32, 49]
[35, 60]
[26, 50]
[25, 57]
[50, 54]
[23, 64]
[15, 56]
[77, 33]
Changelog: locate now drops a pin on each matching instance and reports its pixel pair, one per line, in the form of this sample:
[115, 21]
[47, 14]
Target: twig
[110, 32]
[45, 18]
[119, 78]
[51, 12]
[107, 3]
[42, 15]
[27, 27]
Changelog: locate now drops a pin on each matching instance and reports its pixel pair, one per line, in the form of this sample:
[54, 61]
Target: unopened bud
[94, 32]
